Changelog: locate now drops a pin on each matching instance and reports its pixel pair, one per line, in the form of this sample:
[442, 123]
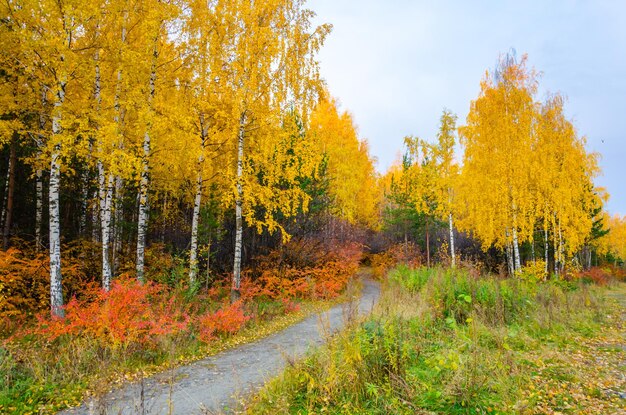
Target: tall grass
[440, 341]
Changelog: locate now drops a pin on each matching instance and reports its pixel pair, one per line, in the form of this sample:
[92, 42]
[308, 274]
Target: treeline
[523, 184]
[195, 124]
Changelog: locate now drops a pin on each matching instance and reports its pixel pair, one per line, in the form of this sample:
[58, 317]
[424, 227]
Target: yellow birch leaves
[524, 165]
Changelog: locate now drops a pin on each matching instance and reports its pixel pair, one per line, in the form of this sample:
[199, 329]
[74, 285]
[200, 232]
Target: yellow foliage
[353, 180]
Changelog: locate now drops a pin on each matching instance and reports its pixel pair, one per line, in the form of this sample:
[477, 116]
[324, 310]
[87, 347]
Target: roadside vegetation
[452, 341]
[134, 330]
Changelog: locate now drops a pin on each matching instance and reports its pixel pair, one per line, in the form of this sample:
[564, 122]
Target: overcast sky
[396, 64]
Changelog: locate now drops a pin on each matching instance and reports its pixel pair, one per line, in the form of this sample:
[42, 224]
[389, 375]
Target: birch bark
[235, 294]
[452, 253]
[56, 290]
[142, 219]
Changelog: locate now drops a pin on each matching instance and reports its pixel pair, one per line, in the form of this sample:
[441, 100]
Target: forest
[176, 176]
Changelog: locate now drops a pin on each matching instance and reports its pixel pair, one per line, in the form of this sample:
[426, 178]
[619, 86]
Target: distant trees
[525, 175]
[348, 166]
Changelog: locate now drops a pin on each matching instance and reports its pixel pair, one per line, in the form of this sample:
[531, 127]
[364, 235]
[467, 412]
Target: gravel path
[217, 383]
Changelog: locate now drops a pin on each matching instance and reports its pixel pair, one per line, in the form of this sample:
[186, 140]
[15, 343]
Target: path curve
[215, 384]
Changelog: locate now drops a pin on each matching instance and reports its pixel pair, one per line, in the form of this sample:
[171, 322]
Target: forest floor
[221, 382]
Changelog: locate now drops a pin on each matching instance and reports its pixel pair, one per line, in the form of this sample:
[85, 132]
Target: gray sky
[396, 64]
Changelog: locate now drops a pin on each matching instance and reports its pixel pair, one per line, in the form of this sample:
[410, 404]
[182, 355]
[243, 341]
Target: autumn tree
[563, 179]
[524, 164]
[495, 187]
[271, 71]
[350, 170]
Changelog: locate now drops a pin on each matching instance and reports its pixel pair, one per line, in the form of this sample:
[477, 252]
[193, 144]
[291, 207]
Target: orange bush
[226, 321]
[304, 268]
[399, 253]
[25, 282]
[130, 313]
[596, 275]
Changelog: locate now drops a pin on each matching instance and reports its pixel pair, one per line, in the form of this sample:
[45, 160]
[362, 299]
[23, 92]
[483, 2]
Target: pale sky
[396, 64]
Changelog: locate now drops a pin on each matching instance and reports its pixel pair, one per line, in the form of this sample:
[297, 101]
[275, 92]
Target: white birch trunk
[195, 220]
[235, 294]
[546, 247]
[556, 254]
[10, 192]
[105, 194]
[452, 253]
[509, 259]
[518, 265]
[193, 253]
[142, 219]
[56, 288]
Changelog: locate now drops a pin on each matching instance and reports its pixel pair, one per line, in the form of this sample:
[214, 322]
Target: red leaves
[130, 313]
[227, 320]
[282, 273]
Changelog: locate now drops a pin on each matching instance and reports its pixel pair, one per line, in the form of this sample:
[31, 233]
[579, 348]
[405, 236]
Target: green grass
[444, 342]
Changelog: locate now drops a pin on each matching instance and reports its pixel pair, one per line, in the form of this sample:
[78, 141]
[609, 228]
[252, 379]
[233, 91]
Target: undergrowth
[47, 364]
[443, 341]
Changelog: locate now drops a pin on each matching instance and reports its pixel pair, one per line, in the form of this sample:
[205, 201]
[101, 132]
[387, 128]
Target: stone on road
[216, 383]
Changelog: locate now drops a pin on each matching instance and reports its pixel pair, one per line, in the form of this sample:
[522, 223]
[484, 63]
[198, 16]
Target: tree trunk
[406, 244]
[452, 253]
[142, 220]
[193, 252]
[195, 220]
[105, 194]
[509, 255]
[546, 248]
[208, 262]
[516, 256]
[84, 202]
[95, 210]
[10, 191]
[56, 288]
[561, 250]
[235, 293]
[509, 259]
[556, 255]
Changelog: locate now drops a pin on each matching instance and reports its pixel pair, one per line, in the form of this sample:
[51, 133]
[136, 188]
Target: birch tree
[273, 71]
[495, 188]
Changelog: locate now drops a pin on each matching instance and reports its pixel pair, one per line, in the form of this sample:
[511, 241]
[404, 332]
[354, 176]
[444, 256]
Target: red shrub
[225, 321]
[597, 275]
[130, 313]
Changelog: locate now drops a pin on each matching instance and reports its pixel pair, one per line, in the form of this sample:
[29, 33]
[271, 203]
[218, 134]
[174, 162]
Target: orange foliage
[225, 321]
[408, 253]
[25, 280]
[303, 269]
[602, 275]
[130, 313]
